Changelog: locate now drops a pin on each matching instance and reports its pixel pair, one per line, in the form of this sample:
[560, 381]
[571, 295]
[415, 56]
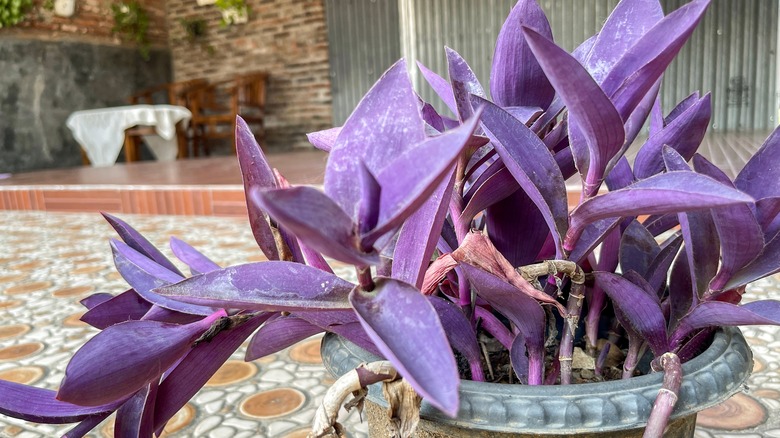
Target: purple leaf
[315, 219]
[493, 185]
[135, 417]
[525, 114]
[314, 258]
[665, 193]
[591, 112]
[705, 167]
[325, 139]
[127, 306]
[264, 286]
[517, 228]
[385, 124]
[717, 313]
[433, 118]
[660, 223]
[658, 270]
[621, 176]
[412, 177]
[256, 173]
[419, 235]
[440, 85]
[682, 107]
[40, 405]
[658, 45]
[741, 240]
[767, 263]
[202, 361]
[518, 358]
[531, 163]
[355, 333]
[516, 79]
[198, 263]
[638, 248]
[464, 84]
[144, 276]
[86, 425]
[627, 23]
[767, 210]
[278, 334]
[684, 134]
[123, 358]
[682, 289]
[635, 119]
[760, 177]
[460, 333]
[641, 310]
[95, 299]
[656, 117]
[591, 237]
[406, 329]
[371, 192]
[135, 240]
[523, 311]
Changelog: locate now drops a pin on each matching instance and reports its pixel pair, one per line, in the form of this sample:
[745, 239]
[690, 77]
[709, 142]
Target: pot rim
[708, 379]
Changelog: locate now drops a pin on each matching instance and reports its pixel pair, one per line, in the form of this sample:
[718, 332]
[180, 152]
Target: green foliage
[195, 30]
[13, 11]
[132, 22]
[233, 8]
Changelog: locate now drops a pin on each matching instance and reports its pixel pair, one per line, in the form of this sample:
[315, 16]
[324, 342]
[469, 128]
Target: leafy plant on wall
[195, 31]
[13, 11]
[233, 11]
[132, 22]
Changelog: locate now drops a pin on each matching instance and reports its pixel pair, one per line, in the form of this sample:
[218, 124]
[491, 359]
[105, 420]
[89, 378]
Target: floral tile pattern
[49, 261]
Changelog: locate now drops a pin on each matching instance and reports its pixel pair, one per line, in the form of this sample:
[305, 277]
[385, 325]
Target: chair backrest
[178, 92]
[251, 89]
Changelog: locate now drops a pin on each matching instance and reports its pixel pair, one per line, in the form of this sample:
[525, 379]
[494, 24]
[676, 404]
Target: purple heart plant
[460, 233]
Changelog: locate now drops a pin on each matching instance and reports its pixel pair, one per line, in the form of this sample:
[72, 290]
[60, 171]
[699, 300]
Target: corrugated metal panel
[364, 41]
[732, 54]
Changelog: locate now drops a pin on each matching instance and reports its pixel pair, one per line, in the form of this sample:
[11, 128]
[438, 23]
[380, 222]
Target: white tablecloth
[101, 132]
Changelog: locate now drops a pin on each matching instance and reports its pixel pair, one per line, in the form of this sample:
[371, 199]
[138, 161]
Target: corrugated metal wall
[732, 53]
[364, 40]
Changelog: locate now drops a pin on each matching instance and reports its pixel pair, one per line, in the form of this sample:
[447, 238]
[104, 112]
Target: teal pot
[609, 409]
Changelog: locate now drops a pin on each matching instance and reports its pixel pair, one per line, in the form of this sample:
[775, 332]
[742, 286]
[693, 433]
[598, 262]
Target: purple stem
[570, 323]
[492, 325]
[364, 278]
[635, 349]
[602, 358]
[536, 368]
[595, 307]
[667, 395]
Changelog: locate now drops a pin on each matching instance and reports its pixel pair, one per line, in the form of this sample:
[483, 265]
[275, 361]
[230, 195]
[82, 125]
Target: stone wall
[52, 66]
[286, 38]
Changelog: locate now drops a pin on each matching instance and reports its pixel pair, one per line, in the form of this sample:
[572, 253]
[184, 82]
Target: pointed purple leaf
[656, 124]
[660, 44]
[592, 236]
[325, 139]
[681, 289]
[519, 359]
[95, 299]
[767, 263]
[315, 219]
[767, 210]
[493, 185]
[200, 364]
[440, 86]
[717, 313]
[86, 425]
[139, 243]
[635, 119]
[256, 173]
[144, 275]
[682, 107]
[411, 178]
[516, 79]
[531, 163]
[627, 23]
[198, 263]
[135, 417]
[658, 270]
[385, 124]
[371, 192]
[761, 175]
[640, 309]
[590, 110]
[460, 333]
[314, 258]
[464, 83]
[684, 134]
[40, 405]
[525, 114]
[741, 240]
[127, 306]
[264, 286]
[638, 248]
[517, 228]
[419, 235]
[278, 334]
[660, 223]
[123, 358]
[406, 329]
[705, 167]
[665, 193]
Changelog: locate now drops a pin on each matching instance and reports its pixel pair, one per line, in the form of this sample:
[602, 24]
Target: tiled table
[51, 260]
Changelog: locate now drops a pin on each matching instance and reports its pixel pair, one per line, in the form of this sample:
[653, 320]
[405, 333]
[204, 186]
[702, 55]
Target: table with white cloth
[102, 132]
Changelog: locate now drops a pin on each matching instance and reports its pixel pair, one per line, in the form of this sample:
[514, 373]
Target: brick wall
[92, 23]
[286, 38]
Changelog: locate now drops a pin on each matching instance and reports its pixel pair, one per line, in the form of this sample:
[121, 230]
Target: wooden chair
[215, 107]
[173, 93]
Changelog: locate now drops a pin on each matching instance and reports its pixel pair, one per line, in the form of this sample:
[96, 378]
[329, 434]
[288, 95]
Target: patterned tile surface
[49, 261]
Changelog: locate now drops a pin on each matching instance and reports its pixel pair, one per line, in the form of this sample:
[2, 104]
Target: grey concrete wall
[42, 82]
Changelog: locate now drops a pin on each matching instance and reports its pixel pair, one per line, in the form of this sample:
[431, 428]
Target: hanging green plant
[195, 30]
[132, 22]
[13, 11]
[233, 11]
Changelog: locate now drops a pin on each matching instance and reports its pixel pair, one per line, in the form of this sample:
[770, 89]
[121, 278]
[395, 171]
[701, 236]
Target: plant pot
[610, 409]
